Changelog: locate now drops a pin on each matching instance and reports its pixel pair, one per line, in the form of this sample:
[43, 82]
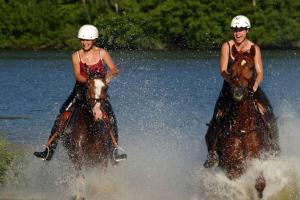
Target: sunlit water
[162, 101]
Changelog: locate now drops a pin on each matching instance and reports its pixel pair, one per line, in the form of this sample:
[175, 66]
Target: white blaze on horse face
[243, 62]
[98, 85]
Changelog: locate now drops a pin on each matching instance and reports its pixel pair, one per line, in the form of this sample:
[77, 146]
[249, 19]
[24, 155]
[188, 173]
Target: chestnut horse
[91, 135]
[244, 128]
[92, 129]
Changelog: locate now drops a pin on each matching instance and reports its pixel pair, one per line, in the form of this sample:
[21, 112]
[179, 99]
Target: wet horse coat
[87, 138]
[244, 127]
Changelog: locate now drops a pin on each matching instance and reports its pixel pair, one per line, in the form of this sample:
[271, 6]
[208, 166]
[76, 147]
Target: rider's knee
[66, 115]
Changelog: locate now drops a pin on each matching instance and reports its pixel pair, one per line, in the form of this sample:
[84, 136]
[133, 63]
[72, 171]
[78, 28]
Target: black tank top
[230, 60]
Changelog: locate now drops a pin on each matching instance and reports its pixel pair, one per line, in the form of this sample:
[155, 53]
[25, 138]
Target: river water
[162, 101]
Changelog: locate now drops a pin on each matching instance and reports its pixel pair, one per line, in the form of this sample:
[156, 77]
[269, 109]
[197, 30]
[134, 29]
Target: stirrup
[46, 154]
[119, 154]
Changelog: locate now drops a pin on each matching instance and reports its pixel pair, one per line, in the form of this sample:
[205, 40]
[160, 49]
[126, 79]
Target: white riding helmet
[88, 32]
[240, 21]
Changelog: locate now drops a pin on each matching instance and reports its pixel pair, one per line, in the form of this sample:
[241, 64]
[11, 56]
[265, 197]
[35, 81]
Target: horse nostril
[235, 79]
[238, 94]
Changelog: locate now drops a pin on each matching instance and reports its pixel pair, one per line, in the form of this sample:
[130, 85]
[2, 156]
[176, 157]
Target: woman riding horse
[87, 62]
[240, 26]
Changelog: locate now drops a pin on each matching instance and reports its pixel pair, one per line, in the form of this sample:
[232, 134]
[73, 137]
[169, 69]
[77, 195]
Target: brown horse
[91, 135]
[87, 140]
[244, 127]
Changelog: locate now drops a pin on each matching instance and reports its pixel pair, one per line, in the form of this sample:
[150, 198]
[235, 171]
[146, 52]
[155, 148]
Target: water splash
[282, 174]
[163, 163]
[160, 129]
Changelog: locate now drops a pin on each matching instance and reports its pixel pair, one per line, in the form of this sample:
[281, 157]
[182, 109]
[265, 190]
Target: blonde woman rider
[89, 60]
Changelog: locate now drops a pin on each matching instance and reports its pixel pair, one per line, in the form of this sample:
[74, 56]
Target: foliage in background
[146, 24]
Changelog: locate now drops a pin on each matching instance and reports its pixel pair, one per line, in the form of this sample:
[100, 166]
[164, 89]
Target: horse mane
[97, 76]
[236, 53]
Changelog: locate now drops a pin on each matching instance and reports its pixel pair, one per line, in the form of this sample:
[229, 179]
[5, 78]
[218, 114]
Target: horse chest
[244, 120]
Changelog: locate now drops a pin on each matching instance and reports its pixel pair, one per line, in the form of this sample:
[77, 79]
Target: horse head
[242, 73]
[96, 94]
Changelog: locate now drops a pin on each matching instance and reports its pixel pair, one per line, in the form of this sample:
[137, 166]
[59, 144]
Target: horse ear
[234, 51]
[252, 50]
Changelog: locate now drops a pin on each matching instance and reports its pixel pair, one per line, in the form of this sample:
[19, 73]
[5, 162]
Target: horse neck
[245, 116]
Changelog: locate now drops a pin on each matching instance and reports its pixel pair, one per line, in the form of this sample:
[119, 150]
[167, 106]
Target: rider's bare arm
[223, 62]
[113, 71]
[76, 69]
[258, 67]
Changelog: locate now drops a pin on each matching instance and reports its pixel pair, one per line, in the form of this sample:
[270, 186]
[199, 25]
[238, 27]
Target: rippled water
[162, 101]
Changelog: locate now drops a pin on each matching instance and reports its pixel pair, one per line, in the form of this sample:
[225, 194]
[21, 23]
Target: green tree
[151, 24]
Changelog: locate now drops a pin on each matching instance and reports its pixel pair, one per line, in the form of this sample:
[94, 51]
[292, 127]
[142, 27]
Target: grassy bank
[7, 156]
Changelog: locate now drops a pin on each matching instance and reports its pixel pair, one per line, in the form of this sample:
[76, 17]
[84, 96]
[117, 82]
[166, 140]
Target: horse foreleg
[232, 159]
[80, 187]
[77, 157]
[260, 184]
[253, 147]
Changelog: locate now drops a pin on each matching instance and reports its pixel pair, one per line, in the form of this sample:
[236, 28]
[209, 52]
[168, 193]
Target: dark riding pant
[75, 98]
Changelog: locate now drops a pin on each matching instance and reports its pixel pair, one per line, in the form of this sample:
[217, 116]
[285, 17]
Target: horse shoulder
[253, 50]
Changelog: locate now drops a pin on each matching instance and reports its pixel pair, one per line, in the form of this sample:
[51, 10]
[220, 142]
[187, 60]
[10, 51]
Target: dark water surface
[174, 89]
[162, 101]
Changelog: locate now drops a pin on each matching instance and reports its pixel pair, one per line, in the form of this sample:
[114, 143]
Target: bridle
[241, 83]
[93, 101]
[96, 98]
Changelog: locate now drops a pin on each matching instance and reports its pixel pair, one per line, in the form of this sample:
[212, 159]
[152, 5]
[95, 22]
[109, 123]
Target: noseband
[96, 91]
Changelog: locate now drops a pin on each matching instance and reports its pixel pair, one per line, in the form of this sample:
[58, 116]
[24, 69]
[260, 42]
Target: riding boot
[274, 137]
[271, 138]
[211, 138]
[47, 153]
[212, 160]
[120, 156]
[58, 128]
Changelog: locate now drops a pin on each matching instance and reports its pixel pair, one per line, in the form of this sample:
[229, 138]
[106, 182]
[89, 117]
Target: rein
[98, 100]
[94, 101]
